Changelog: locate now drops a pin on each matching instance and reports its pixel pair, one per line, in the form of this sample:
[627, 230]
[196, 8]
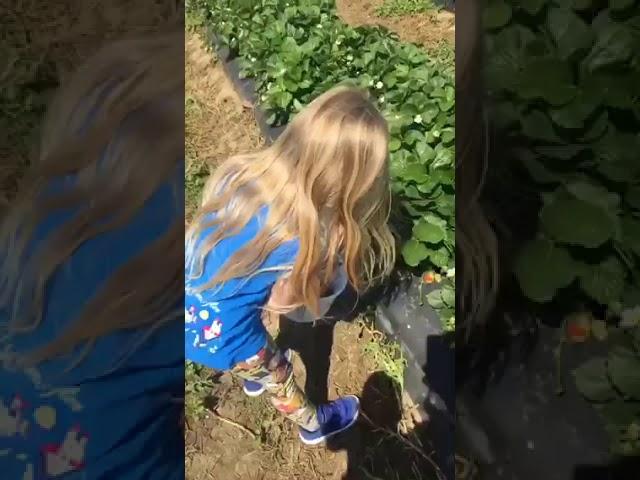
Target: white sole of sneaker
[257, 393]
[320, 440]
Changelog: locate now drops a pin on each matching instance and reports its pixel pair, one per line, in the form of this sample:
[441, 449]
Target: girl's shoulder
[285, 252]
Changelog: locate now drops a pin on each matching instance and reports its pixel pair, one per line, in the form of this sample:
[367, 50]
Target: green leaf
[429, 232]
[569, 32]
[599, 330]
[532, 7]
[448, 295]
[575, 114]
[537, 126]
[434, 298]
[590, 192]
[425, 151]
[542, 269]
[549, 79]
[632, 197]
[440, 257]
[282, 99]
[604, 282]
[597, 128]
[414, 253]
[592, 380]
[413, 136]
[390, 80]
[631, 296]
[631, 233]
[415, 172]
[442, 297]
[570, 220]
[617, 5]
[444, 158]
[624, 370]
[394, 144]
[537, 170]
[615, 44]
[497, 14]
[581, 4]
[619, 413]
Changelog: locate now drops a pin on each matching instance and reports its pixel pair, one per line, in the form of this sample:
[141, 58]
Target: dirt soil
[244, 438]
[429, 29]
[217, 123]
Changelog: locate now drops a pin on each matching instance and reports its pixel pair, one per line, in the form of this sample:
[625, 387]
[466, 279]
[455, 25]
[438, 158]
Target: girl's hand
[281, 298]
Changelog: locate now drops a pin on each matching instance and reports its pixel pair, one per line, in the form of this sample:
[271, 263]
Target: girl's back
[231, 309]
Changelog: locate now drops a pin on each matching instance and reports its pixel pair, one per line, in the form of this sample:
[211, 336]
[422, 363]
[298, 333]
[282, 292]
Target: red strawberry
[429, 277]
[578, 327]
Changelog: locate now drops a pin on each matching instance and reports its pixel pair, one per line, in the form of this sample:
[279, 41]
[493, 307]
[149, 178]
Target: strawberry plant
[564, 82]
[295, 50]
[570, 90]
[612, 383]
[443, 298]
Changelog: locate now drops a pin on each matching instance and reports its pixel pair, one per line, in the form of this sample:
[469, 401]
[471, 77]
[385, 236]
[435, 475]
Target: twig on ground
[248, 431]
[405, 441]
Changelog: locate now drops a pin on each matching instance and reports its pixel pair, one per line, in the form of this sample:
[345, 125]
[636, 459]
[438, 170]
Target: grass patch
[385, 354]
[444, 52]
[197, 387]
[196, 169]
[398, 8]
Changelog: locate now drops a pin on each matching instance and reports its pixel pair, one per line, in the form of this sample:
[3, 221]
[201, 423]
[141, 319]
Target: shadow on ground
[375, 446]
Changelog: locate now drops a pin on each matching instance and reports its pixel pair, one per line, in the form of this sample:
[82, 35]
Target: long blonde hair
[477, 256]
[325, 181]
[115, 173]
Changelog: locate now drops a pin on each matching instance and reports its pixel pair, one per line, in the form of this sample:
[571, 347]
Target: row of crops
[295, 50]
[565, 83]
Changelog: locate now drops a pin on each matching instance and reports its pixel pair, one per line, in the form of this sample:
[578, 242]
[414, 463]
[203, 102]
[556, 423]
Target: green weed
[197, 387]
[398, 8]
[386, 355]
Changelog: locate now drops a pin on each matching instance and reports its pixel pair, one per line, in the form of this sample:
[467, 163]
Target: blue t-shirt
[223, 326]
[92, 422]
[111, 416]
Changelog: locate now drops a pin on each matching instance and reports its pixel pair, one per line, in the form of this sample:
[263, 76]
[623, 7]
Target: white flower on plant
[630, 317]
[350, 58]
[381, 99]
[418, 119]
[263, 98]
[379, 85]
[253, 59]
[451, 273]
[319, 25]
[371, 83]
[338, 42]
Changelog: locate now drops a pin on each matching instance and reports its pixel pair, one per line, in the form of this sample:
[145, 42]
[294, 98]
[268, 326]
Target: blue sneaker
[334, 417]
[255, 389]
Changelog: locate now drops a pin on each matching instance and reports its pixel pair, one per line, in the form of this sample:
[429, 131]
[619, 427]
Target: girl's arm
[281, 295]
[279, 302]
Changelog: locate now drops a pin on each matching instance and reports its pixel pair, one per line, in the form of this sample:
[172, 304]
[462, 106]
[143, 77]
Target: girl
[90, 369]
[272, 231]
